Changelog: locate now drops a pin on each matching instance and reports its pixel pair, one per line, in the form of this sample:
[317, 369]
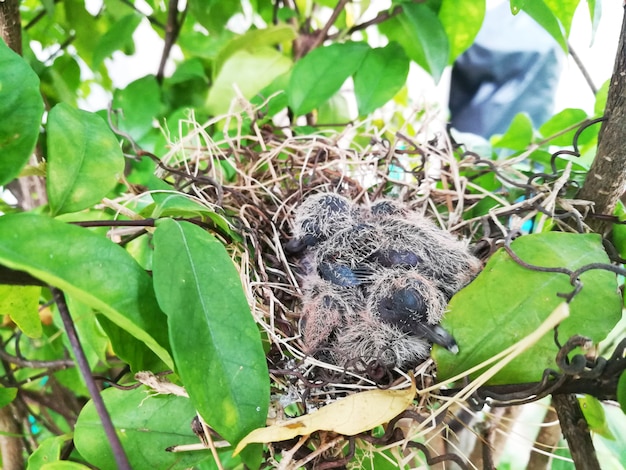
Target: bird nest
[255, 175]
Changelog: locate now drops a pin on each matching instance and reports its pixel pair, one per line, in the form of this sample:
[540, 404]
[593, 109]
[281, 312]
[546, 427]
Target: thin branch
[118, 451]
[172, 29]
[153, 20]
[582, 68]
[52, 365]
[320, 37]
[380, 18]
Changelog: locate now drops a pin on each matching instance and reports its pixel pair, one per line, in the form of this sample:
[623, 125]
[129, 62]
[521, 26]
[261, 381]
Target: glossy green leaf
[618, 234]
[601, 96]
[48, 451]
[381, 75]
[254, 40]
[506, 302]
[421, 34]
[84, 159]
[7, 395]
[267, 64]
[21, 303]
[118, 37]
[91, 268]
[92, 337]
[213, 14]
[334, 111]
[61, 81]
[319, 75]
[215, 342]
[593, 411]
[171, 204]
[595, 13]
[21, 109]
[273, 95]
[88, 29]
[542, 14]
[64, 465]
[555, 126]
[564, 10]
[519, 134]
[461, 21]
[139, 105]
[146, 425]
[621, 392]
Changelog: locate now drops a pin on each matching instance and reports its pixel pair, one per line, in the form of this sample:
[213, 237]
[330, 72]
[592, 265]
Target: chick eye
[403, 309]
[410, 301]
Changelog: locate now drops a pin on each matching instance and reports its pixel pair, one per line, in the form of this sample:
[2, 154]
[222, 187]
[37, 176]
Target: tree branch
[172, 30]
[10, 24]
[583, 69]
[576, 432]
[118, 451]
[51, 365]
[321, 35]
[606, 179]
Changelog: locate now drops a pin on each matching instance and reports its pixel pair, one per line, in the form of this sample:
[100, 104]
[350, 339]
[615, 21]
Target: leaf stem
[118, 451]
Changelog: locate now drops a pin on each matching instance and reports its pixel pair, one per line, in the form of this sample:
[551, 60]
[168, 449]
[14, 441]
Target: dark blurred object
[513, 67]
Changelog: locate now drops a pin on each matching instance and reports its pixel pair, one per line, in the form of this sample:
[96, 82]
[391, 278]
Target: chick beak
[438, 335]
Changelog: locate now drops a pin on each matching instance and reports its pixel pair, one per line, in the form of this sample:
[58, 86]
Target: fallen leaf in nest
[349, 416]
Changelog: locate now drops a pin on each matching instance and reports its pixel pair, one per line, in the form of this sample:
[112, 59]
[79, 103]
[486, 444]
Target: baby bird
[378, 281]
[317, 218]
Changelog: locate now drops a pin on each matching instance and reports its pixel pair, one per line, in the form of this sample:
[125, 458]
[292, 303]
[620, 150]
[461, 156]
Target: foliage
[147, 225]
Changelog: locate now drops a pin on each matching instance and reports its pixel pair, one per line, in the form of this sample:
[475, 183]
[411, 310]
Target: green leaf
[595, 13]
[254, 40]
[319, 75]
[89, 267]
[146, 425]
[461, 21]
[64, 465]
[140, 104]
[601, 96]
[88, 29]
[48, 451]
[506, 302]
[423, 37]
[119, 36]
[564, 10]
[21, 109]
[541, 13]
[618, 233]
[21, 303]
[7, 395]
[275, 90]
[213, 14]
[266, 63]
[559, 122]
[60, 82]
[188, 70]
[334, 111]
[92, 338]
[213, 335]
[84, 159]
[621, 392]
[593, 411]
[381, 75]
[519, 134]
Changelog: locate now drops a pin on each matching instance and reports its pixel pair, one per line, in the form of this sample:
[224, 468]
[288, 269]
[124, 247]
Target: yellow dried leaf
[349, 416]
